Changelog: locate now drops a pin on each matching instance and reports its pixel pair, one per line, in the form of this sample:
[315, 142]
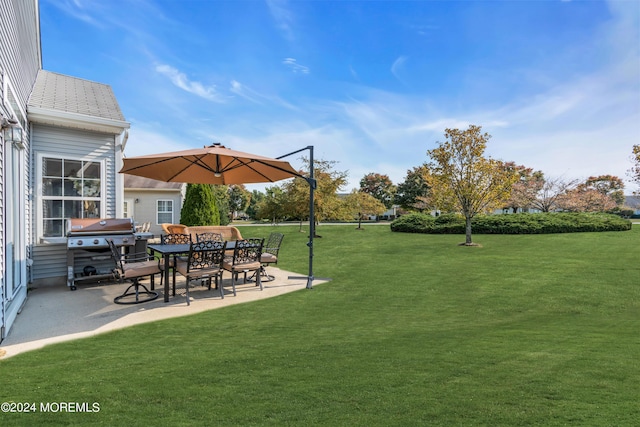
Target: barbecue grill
[88, 253]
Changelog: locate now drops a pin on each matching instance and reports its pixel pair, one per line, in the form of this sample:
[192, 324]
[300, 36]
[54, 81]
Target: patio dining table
[167, 251]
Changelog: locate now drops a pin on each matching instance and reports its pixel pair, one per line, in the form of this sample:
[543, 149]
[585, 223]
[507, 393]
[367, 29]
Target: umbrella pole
[312, 220]
[312, 217]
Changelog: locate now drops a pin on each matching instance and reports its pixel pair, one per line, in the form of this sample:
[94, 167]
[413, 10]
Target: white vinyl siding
[49, 254]
[20, 60]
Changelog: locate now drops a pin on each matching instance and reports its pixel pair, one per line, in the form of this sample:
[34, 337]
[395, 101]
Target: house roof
[632, 201]
[69, 101]
[138, 182]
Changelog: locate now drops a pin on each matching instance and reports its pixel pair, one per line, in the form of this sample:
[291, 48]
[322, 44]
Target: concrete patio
[54, 314]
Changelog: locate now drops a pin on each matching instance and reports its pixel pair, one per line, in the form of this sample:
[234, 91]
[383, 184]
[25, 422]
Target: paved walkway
[54, 313]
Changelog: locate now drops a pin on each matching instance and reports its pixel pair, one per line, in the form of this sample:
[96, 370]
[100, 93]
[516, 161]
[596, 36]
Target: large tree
[239, 199]
[609, 185]
[466, 181]
[326, 201]
[380, 187]
[221, 196]
[634, 172]
[272, 205]
[584, 199]
[550, 193]
[360, 205]
[256, 197]
[525, 189]
[414, 190]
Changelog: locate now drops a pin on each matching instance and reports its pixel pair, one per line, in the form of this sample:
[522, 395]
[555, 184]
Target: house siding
[146, 208]
[50, 259]
[20, 56]
[20, 61]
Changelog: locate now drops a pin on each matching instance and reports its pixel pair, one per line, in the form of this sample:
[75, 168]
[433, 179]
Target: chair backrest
[215, 237]
[228, 232]
[176, 228]
[115, 254]
[206, 254]
[273, 243]
[175, 239]
[247, 250]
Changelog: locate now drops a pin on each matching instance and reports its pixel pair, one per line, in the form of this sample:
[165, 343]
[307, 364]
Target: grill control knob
[96, 241]
[79, 242]
[125, 239]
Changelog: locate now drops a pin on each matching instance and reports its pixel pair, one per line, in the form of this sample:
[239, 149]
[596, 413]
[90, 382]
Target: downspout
[119, 154]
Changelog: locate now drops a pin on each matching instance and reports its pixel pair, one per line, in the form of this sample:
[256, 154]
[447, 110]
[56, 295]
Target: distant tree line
[456, 177]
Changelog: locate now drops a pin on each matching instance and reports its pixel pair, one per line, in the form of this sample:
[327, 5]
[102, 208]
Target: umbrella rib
[248, 164]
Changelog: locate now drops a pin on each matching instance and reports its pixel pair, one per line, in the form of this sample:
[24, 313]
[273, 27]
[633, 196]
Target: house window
[165, 212]
[70, 189]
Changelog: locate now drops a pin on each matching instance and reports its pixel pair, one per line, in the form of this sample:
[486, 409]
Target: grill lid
[89, 226]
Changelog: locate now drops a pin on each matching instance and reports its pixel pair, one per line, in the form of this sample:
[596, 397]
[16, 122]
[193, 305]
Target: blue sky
[370, 84]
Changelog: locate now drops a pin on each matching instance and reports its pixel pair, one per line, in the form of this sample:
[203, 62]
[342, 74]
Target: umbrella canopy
[215, 164]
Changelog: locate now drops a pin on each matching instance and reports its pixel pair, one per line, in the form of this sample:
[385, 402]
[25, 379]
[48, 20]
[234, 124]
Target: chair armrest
[137, 257]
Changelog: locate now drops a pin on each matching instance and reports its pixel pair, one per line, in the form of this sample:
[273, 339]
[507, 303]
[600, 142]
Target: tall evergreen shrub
[199, 206]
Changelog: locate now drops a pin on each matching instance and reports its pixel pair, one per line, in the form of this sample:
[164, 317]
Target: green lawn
[412, 330]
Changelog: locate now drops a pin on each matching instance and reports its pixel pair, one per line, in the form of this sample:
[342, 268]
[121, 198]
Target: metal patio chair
[270, 254]
[246, 258]
[133, 267]
[204, 262]
[174, 239]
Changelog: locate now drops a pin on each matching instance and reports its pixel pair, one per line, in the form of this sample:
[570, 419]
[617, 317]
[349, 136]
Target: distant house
[633, 202]
[155, 202]
[62, 138]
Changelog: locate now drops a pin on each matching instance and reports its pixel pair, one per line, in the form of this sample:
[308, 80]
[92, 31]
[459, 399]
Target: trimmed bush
[413, 223]
[522, 223]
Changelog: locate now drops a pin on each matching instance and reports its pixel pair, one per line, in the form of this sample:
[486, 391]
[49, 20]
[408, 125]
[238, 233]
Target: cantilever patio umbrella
[217, 164]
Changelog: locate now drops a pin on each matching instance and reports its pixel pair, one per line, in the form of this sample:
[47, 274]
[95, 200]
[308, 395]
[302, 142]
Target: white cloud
[295, 67]
[182, 81]
[397, 67]
[282, 16]
[254, 96]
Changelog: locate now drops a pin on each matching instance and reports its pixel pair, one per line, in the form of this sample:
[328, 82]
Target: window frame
[40, 197]
[158, 212]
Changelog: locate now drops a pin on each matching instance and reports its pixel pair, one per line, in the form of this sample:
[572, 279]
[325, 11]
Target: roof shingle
[59, 92]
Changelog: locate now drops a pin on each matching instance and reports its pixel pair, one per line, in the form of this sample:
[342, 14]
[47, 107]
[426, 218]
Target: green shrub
[413, 223]
[199, 207]
[523, 223]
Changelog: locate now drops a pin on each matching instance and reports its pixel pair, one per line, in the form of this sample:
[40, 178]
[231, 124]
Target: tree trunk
[468, 231]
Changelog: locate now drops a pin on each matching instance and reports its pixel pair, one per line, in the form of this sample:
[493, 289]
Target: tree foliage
[199, 207]
[608, 185]
[414, 190]
[380, 187]
[584, 199]
[221, 197]
[634, 172]
[360, 205]
[272, 205]
[463, 180]
[552, 189]
[254, 203]
[239, 199]
[326, 201]
[525, 189]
